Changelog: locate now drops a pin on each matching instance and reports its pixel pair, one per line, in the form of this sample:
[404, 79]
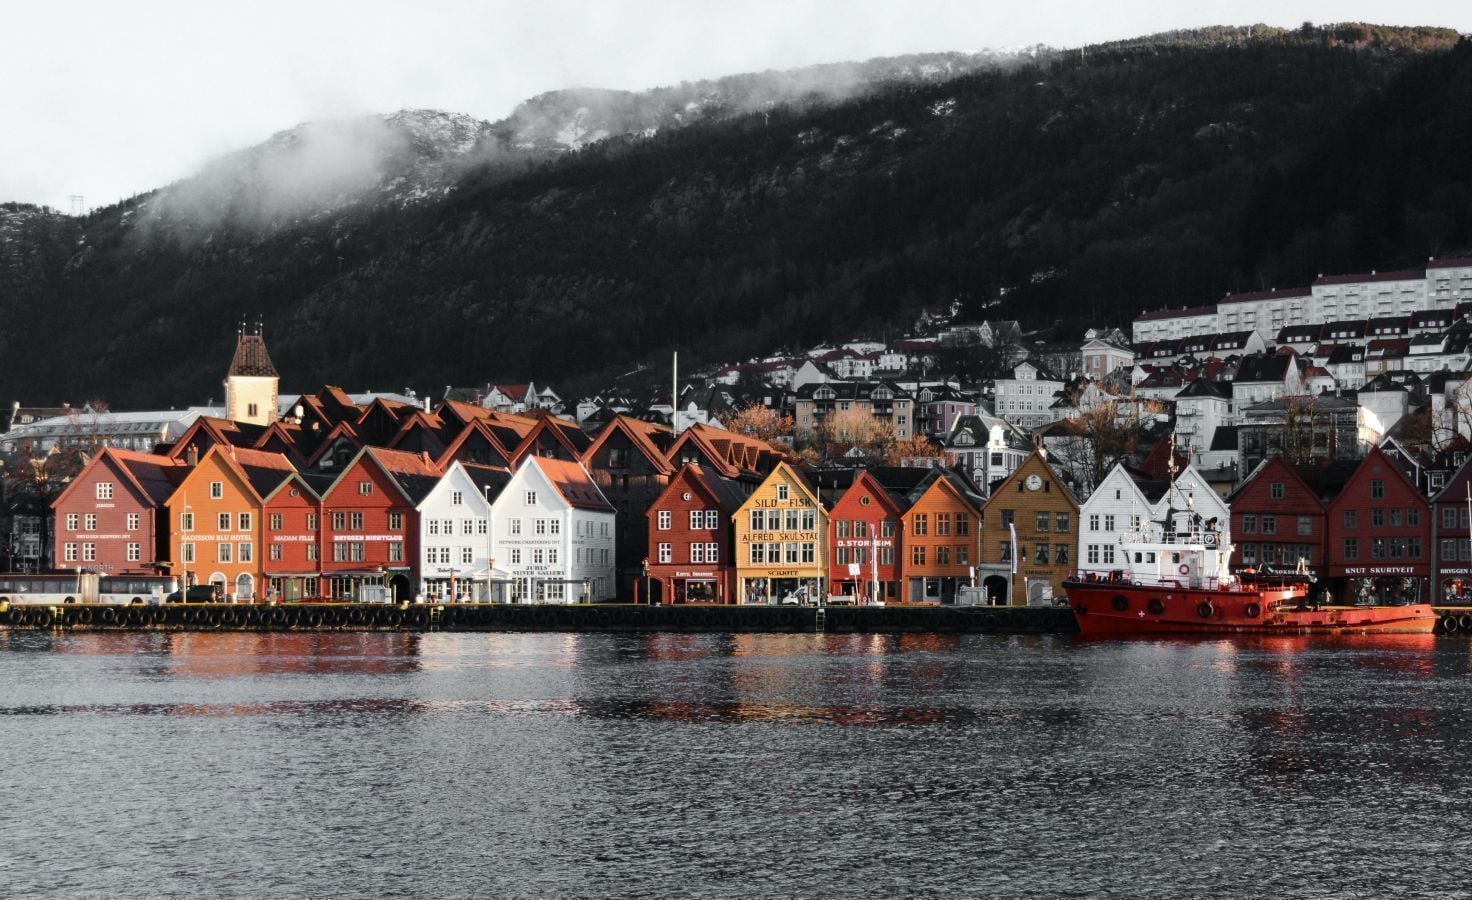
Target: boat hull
[1108, 609]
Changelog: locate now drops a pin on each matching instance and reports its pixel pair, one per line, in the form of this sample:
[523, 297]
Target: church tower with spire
[252, 383]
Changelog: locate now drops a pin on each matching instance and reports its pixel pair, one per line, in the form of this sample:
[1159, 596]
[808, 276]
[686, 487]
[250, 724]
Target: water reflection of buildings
[243, 654]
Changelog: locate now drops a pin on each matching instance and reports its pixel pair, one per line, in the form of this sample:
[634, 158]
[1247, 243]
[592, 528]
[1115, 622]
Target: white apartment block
[1441, 284]
[1026, 399]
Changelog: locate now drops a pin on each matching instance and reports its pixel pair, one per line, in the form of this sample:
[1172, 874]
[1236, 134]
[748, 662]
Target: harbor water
[706, 765]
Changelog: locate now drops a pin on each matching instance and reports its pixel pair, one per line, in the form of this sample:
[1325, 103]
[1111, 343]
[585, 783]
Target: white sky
[113, 97]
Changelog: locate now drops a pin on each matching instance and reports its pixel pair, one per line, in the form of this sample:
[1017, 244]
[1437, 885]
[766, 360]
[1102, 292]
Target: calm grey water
[446, 765]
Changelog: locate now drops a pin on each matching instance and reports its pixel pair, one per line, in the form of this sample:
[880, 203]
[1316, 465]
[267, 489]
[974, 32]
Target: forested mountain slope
[1067, 189]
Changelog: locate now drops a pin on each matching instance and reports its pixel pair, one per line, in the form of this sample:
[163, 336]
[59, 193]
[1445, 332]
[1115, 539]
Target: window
[457, 498]
[841, 528]
[355, 521]
[514, 526]
[712, 519]
[942, 556]
[921, 524]
[516, 556]
[1109, 523]
[943, 523]
[89, 522]
[540, 526]
[1005, 551]
[888, 528]
[1448, 517]
[89, 552]
[311, 521]
[809, 519]
[1349, 518]
[1094, 522]
[1007, 517]
[1108, 554]
[963, 523]
[530, 498]
[861, 528]
[365, 488]
[339, 521]
[1042, 521]
[1061, 523]
[222, 522]
[74, 520]
[1092, 555]
[1060, 554]
[792, 553]
[135, 552]
[1395, 518]
[396, 551]
[71, 552]
[1305, 525]
[782, 492]
[667, 553]
[312, 554]
[712, 553]
[697, 553]
[217, 490]
[245, 552]
[1413, 518]
[1249, 523]
[275, 521]
[1042, 553]
[1275, 490]
[1249, 554]
[666, 518]
[186, 552]
[1377, 518]
[917, 554]
[1377, 489]
[274, 552]
[1269, 524]
[244, 521]
[223, 552]
[104, 490]
[395, 521]
[697, 519]
[1377, 548]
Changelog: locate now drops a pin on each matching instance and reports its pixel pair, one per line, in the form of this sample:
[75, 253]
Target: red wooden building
[690, 538]
[292, 518]
[1278, 514]
[110, 519]
[370, 529]
[1451, 532]
[1379, 534]
[864, 537]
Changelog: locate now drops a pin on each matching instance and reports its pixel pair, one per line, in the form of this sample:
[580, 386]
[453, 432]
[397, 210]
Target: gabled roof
[714, 488]
[1259, 367]
[647, 437]
[573, 482]
[263, 471]
[152, 477]
[1206, 387]
[870, 484]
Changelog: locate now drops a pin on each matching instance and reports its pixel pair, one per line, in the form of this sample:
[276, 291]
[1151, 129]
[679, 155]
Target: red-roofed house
[370, 528]
[110, 518]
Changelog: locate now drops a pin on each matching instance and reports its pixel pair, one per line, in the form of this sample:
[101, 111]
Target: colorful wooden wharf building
[691, 539]
[781, 541]
[1029, 540]
[864, 536]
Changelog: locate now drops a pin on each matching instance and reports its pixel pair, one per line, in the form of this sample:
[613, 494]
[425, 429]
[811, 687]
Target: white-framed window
[539, 556]
[531, 498]
[712, 553]
[697, 519]
[516, 556]
[89, 552]
[666, 520]
[514, 526]
[467, 526]
[217, 490]
[697, 553]
[89, 522]
[73, 521]
[135, 551]
[712, 519]
[395, 551]
[666, 553]
[457, 498]
[223, 552]
[275, 552]
[395, 521]
[186, 553]
[365, 488]
[70, 553]
[432, 526]
[539, 526]
[467, 555]
[245, 552]
[551, 556]
[222, 522]
[244, 522]
[104, 490]
[782, 492]
[554, 526]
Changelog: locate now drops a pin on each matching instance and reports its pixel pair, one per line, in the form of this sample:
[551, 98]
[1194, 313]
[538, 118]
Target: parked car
[198, 593]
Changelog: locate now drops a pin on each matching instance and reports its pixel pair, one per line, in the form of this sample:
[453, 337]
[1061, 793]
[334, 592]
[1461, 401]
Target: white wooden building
[552, 534]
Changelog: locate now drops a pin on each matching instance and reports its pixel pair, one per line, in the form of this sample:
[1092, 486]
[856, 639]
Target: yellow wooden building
[781, 541]
[1035, 502]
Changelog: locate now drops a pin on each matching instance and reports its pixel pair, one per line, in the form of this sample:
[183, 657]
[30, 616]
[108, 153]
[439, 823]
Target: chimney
[192, 456]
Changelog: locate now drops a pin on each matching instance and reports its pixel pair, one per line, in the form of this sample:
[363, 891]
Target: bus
[85, 587]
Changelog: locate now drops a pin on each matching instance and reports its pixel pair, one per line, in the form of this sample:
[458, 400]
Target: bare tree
[756, 420]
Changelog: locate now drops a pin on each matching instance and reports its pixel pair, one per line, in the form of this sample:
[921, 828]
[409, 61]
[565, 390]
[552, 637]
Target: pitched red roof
[573, 482]
[251, 358]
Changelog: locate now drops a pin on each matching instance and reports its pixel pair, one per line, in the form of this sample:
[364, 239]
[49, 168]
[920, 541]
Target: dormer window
[217, 490]
[824, 393]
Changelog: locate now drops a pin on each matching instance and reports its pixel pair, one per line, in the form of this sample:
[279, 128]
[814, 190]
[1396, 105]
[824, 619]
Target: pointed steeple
[251, 384]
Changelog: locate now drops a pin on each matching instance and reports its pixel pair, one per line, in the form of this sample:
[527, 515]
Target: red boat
[1176, 581]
